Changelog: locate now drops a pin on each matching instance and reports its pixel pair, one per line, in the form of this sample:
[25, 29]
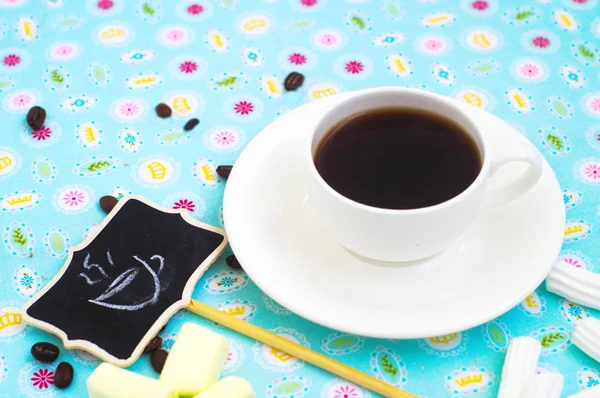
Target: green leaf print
[173, 137]
[586, 52]
[555, 141]
[387, 366]
[393, 9]
[548, 340]
[56, 77]
[44, 170]
[483, 68]
[523, 15]
[4, 83]
[98, 165]
[18, 237]
[227, 82]
[57, 243]
[359, 22]
[66, 23]
[148, 9]
[99, 73]
[560, 108]
[300, 24]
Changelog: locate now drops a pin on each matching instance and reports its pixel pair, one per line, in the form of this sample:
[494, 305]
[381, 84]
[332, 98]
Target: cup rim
[421, 210]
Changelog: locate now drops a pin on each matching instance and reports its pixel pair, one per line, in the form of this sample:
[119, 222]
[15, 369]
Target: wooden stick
[298, 351]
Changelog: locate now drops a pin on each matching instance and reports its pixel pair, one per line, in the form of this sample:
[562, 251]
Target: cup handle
[515, 151]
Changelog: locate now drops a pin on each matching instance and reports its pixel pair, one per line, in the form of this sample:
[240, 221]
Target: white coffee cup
[407, 235]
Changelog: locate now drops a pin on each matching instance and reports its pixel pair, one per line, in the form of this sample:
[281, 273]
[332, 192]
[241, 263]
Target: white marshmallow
[519, 366]
[587, 337]
[109, 381]
[576, 285]
[195, 361]
[547, 385]
[593, 392]
[230, 387]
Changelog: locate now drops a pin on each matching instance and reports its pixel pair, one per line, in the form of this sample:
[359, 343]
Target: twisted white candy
[577, 285]
[587, 337]
[519, 366]
[547, 385]
[593, 392]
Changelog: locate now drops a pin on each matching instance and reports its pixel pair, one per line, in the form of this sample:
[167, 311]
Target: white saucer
[274, 233]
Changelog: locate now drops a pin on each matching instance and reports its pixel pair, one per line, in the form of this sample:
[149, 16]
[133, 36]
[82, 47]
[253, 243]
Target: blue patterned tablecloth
[100, 66]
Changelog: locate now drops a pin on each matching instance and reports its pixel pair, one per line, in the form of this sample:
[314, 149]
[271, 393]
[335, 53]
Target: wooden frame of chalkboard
[131, 356]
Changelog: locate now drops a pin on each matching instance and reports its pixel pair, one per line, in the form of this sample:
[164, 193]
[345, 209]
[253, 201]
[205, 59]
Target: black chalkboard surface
[122, 284]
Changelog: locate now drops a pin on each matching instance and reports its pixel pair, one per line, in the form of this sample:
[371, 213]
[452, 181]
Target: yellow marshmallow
[195, 361]
[109, 381]
[230, 387]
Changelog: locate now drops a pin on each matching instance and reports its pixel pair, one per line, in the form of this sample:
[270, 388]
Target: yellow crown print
[181, 105]
[481, 40]
[272, 87]
[469, 380]
[208, 172]
[399, 65]
[573, 229]
[566, 20]
[111, 33]
[255, 24]
[531, 301]
[20, 199]
[157, 170]
[282, 356]
[438, 18]
[9, 319]
[88, 133]
[446, 339]
[28, 28]
[235, 311]
[143, 80]
[5, 162]
[328, 92]
[217, 38]
[473, 99]
[520, 100]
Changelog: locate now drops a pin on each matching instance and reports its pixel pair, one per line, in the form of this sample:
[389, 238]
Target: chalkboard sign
[123, 283]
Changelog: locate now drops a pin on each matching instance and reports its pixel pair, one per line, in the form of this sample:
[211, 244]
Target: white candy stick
[547, 385]
[576, 285]
[593, 392]
[519, 366]
[587, 337]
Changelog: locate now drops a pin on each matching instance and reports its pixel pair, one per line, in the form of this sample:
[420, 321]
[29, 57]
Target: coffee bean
[163, 110]
[233, 262]
[157, 359]
[45, 352]
[224, 171]
[63, 376]
[36, 117]
[107, 203]
[293, 81]
[191, 124]
[153, 345]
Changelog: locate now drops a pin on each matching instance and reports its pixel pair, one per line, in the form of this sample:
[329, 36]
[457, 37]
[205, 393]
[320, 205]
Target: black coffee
[398, 158]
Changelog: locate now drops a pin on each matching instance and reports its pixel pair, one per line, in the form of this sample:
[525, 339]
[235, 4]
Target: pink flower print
[354, 67]
[308, 3]
[175, 35]
[530, 70]
[184, 204]
[297, 59]
[11, 60]
[580, 1]
[22, 100]
[573, 262]
[433, 44]
[229, 357]
[129, 108]
[243, 108]
[225, 137]
[188, 67]
[42, 134]
[594, 104]
[64, 51]
[328, 39]
[541, 42]
[105, 4]
[43, 378]
[480, 5]
[73, 198]
[345, 392]
[592, 171]
[195, 9]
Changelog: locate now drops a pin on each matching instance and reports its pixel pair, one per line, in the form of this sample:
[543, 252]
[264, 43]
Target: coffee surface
[398, 158]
